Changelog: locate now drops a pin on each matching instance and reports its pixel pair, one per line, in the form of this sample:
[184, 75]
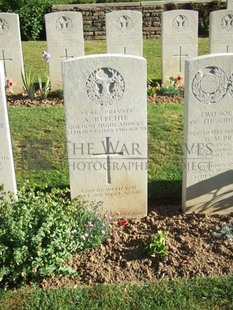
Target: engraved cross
[4, 61]
[180, 55]
[108, 155]
[66, 55]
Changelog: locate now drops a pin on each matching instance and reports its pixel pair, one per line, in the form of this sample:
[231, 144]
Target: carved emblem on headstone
[180, 23]
[4, 27]
[124, 23]
[230, 85]
[64, 24]
[105, 86]
[227, 22]
[210, 85]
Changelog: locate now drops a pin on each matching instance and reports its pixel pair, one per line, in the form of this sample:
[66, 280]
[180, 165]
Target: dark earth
[193, 250]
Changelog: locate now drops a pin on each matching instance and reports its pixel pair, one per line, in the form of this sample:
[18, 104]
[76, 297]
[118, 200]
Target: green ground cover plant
[39, 232]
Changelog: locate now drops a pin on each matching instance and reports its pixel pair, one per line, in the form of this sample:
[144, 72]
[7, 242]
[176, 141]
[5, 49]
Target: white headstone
[229, 4]
[221, 32]
[11, 50]
[124, 32]
[208, 135]
[7, 172]
[179, 42]
[64, 32]
[106, 123]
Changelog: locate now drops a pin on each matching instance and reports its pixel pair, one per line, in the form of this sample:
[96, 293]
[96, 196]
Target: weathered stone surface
[124, 32]
[208, 132]
[64, 31]
[7, 171]
[221, 32]
[179, 41]
[11, 50]
[106, 124]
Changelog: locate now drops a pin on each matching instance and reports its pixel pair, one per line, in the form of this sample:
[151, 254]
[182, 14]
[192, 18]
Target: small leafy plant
[39, 232]
[156, 246]
[224, 230]
[170, 88]
[44, 87]
[28, 83]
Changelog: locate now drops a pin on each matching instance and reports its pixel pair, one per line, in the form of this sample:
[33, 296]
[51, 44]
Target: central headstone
[7, 172]
[124, 32]
[106, 123]
[64, 32]
[179, 42]
[11, 50]
[208, 135]
[221, 32]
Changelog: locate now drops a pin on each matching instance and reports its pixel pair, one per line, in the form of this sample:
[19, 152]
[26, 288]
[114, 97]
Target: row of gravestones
[105, 107]
[124, 36]
[106, 126]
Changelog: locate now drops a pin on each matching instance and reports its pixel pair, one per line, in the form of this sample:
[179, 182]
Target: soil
[193, 250]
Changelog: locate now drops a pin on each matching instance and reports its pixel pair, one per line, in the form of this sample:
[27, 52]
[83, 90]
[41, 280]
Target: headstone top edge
[10, 14]
[106, 56]
[124, 12]
[179, 11]
[209, 56]
[224, 11]
[60, 13]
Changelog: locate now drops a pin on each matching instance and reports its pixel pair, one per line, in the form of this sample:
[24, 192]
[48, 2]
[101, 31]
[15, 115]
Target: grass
[195, 294]
[38, 136]
[32, 54]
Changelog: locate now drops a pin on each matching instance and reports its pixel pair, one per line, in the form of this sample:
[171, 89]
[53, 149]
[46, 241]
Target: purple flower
[46, 56]
[89, 224]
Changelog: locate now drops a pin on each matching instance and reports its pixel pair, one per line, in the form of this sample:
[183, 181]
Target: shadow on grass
[164, 197]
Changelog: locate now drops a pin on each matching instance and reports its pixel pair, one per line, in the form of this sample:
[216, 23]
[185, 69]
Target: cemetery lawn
[169, 282]
[38, 134]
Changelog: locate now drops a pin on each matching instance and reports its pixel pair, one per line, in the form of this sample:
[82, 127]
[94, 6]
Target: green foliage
[44, 87]
[28, 83]
[224, 230]
[39, 231]
[203, 27]
[31, 14]
[169, 89]
[157, 245]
